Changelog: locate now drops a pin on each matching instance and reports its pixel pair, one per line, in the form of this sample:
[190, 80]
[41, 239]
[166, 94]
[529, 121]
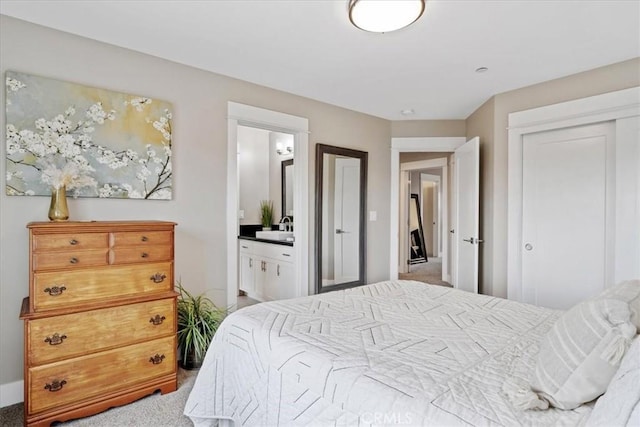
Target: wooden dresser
[100, 319]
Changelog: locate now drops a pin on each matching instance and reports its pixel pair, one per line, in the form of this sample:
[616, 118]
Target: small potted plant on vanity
[266, 214]
[198, 321]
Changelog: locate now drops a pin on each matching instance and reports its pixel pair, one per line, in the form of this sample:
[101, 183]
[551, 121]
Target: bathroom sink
[274, 235]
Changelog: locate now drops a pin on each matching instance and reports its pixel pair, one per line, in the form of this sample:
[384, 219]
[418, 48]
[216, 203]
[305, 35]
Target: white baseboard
[11, 393]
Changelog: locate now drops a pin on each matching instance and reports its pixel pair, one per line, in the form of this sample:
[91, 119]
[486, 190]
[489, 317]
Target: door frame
[623, 107]
[411, 145]
[405, 196]
[436, 212]
[247, 115]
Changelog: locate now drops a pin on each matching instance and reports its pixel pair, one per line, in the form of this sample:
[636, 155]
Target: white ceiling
[309, 48]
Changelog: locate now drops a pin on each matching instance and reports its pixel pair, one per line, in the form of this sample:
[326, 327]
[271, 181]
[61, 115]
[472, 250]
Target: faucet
[285, 225]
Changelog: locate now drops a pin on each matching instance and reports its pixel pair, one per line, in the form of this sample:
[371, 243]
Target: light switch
[373, 216]
[241, 214]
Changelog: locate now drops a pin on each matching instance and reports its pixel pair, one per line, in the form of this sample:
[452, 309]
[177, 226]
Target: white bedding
[396, 352]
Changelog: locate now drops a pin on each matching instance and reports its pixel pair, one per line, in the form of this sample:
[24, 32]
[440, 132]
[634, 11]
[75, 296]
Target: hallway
[428, 272]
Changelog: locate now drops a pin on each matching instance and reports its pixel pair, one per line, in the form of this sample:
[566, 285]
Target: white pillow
[578, 356]
[629, 292]
[616, 406]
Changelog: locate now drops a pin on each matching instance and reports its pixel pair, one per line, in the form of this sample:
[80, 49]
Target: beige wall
[427, 128]
[200, 148]
[613, 77]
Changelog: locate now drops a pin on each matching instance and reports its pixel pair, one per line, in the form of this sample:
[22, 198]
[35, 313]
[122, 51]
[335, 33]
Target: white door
[567, 214]
[467, 216]
[347, 220]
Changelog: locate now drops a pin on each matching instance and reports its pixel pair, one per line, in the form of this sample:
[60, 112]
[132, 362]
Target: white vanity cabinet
[266, 270]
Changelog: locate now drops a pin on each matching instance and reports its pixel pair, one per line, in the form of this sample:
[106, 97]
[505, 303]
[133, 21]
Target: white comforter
[396, 352]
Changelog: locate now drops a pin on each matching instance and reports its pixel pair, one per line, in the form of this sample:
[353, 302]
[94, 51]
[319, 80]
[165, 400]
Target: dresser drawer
[70, 259]
[137, 238]
[73, 380]
[72, 335]
[128, 255]
[63, 288]
[42, 242]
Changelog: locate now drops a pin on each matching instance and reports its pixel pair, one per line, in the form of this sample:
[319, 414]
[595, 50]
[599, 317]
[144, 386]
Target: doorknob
[473, 240]
[338, 231]
[528, 246]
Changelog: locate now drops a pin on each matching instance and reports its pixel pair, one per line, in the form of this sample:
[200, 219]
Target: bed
[391, 353]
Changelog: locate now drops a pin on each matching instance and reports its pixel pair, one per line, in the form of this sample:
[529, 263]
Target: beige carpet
[427, 272]
[156, 410]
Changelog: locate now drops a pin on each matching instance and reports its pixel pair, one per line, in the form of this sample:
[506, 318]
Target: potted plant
[266, 214]
[198, 321]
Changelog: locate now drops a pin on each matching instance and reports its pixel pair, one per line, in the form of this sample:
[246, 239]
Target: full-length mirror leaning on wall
[341, 193]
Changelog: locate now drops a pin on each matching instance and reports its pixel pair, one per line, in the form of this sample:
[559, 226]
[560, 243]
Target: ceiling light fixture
[407, 112]
[482, 70]
[383, 16]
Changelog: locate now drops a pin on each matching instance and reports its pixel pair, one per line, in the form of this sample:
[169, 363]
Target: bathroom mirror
[341, 191]
[287, 188]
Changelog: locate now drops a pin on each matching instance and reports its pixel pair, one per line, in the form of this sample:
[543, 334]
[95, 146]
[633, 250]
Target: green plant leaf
[198, 320]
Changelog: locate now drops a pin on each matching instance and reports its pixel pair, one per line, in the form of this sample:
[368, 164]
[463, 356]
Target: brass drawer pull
[144, 255]
[73, 242]
[56, 339]
[157, 359]
[158, 278]
[55, 291]
[74, 260]
[144, 238]
[55, 385]
[157, 320]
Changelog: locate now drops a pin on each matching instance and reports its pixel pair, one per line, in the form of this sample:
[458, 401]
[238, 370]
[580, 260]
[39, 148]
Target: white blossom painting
[96, 142]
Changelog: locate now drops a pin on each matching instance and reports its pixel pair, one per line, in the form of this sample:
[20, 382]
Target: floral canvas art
[95, 142]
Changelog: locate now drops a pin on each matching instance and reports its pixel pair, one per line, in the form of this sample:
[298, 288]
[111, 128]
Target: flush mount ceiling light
[383, 16]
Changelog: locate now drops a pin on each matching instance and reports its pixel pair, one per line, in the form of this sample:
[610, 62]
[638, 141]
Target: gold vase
[58, 210]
